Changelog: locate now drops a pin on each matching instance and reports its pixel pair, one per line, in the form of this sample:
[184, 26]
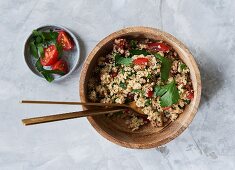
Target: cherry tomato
[141, 61]
[158, 47]
[60, 65]
[150, 93]
[65, 41]
[166, 108]
[50, 56]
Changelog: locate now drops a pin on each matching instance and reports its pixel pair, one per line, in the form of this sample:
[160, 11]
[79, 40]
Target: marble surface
[207, 27]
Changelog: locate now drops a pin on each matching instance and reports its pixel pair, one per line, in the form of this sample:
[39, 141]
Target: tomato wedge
[50, 56]
[158, 47]
[150, 93]
[141, 61]
[65, 41]
[60, 65]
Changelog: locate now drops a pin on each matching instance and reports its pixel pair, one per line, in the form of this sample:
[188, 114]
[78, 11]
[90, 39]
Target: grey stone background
[207, 27]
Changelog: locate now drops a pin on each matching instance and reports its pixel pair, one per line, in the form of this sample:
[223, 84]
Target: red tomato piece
[150, 93]
[166, 108]
[190, 92]
[60, 65]
[141, 61]
[190, 95]
[50, 56]
[158, 47]
[65, 41]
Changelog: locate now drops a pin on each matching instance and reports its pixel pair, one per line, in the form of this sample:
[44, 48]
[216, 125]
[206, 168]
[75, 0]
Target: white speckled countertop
[207, 27]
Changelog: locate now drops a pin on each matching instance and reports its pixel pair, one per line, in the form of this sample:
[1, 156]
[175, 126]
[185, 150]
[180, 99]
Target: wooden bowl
[148, 136]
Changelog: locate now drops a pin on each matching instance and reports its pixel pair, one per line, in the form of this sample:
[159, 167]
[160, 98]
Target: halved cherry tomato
[50, 56]
[166, 108]
[150, 93]
[141, 61]
[60, 65]
[65, 41]
[158, 47]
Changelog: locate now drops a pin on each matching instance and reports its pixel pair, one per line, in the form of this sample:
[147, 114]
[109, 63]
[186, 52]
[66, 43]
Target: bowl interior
[115, 130]
[71, 57]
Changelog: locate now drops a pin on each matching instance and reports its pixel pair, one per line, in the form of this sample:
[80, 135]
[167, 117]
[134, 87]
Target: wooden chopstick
[70, 115]
[73, 103]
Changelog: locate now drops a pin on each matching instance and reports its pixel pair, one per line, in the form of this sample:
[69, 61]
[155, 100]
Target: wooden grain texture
[148, 136]
[70, 115]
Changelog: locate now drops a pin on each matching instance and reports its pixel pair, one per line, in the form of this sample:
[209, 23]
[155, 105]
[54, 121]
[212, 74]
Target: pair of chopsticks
[71, 115]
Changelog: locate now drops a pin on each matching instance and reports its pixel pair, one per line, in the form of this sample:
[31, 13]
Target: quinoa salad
[148, 72]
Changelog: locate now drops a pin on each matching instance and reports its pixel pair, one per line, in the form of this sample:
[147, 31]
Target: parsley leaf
[138, 52]
[183, 66]
[169, 94]
[165, 66]
[47, 74]
[119, 60]
[33, 49]
[133, 43]
[122, 85]
[148, 102]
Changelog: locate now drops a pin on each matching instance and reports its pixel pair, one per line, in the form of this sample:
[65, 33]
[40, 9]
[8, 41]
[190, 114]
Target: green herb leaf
[149, 76]
[165, 66]
[33, 50]
[183, 66]
[47, 74]
[40, 49]
[148, 102]
[159, 91]
[169, 94]
[137, 91]
[119, 60]
[133, 43]
[122, 85]
[138, 52]
[59, 49]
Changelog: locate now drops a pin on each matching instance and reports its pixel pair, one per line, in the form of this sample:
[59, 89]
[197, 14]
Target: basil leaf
[138, 52]
[33, 50]
[169, 94]
[159, 91]
[165, 66]
[119, 60]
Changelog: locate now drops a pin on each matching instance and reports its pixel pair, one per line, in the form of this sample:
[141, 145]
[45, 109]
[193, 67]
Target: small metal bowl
[71, 57]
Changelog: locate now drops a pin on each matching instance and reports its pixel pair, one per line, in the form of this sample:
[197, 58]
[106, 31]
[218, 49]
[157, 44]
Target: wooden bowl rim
[141, 29]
